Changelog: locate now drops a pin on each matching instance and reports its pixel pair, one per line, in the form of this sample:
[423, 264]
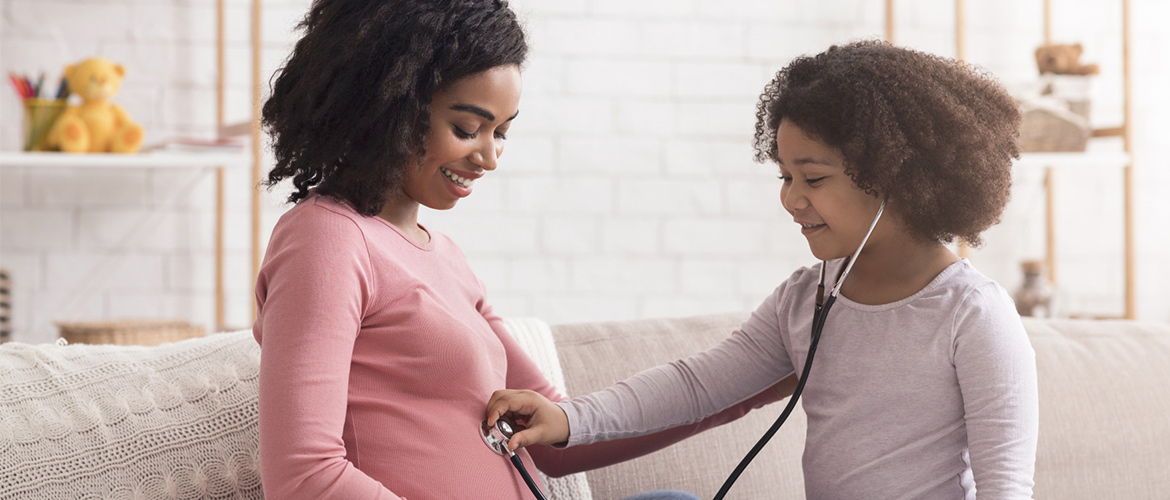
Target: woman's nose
[487, 155]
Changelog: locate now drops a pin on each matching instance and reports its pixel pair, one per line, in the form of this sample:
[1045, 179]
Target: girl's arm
[689, 390]
[699, 392]
[312, 296]
[996, 370]
[558, 461]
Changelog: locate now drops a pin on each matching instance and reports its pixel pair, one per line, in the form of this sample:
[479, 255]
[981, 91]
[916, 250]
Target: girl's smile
[832, 212]
[807, 228]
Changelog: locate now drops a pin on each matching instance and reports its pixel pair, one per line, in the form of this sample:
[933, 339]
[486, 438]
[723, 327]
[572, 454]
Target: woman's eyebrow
[471, 108]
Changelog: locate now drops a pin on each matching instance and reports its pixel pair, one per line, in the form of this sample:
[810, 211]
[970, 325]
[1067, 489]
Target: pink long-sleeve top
[378, 356]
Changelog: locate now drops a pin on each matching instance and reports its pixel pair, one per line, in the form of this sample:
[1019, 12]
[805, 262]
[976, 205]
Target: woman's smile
[464, 181]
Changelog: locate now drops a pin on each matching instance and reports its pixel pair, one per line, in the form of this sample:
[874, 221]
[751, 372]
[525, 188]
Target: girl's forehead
[793, 135]
[795, 148]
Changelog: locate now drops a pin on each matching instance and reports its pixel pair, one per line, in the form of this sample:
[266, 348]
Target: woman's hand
[545, 422]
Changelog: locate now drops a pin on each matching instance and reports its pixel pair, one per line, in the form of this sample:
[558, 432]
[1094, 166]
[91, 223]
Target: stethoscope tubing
[818, 325]
[524, 474]
[820, 314]
[496, 437]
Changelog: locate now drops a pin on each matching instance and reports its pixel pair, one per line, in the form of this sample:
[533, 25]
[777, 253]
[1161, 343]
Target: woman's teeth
[465, 183]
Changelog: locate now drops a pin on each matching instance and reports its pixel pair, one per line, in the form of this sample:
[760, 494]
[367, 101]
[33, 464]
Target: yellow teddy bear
[97, 125]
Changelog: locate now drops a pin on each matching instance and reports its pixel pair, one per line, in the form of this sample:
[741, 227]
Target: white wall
[627, 189]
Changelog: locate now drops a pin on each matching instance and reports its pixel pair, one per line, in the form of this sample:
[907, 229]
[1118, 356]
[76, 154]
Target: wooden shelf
[154, 159]
[217, 161]
[1051, 163]
[1107, 159]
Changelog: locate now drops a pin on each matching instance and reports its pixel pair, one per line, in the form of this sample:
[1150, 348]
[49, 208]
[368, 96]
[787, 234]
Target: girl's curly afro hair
[349, 110]
[934, 135]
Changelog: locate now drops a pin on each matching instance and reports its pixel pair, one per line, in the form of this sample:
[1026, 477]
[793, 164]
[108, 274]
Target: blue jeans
[663, 495]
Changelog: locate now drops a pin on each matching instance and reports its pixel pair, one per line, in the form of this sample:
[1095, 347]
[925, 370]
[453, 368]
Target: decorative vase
[1035, 295]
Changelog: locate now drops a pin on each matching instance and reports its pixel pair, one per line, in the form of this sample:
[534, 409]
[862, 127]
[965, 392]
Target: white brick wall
[627, 190]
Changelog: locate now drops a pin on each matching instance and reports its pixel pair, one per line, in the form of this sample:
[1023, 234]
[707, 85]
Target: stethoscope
[497, 436]
[820, 312]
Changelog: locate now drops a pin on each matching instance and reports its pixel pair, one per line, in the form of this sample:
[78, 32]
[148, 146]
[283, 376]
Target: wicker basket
[1046, 129]
[128, 331]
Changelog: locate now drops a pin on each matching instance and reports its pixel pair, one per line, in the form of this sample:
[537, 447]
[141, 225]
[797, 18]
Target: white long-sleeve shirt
[931, 397]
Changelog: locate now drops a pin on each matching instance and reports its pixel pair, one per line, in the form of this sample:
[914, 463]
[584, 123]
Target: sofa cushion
[595, 355]
[103, 421]
[1104, 409]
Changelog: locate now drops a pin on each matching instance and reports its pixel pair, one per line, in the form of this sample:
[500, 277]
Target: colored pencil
[15, 85]
[18, 83]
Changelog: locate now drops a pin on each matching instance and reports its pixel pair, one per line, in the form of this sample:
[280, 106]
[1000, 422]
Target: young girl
[378, 345]
[924, 386]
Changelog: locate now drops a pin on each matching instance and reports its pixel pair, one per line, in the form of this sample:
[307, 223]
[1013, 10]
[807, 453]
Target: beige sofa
[178, 420]
[1104, 411]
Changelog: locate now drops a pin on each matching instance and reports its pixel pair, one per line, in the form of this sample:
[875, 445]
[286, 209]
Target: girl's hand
[544, 422]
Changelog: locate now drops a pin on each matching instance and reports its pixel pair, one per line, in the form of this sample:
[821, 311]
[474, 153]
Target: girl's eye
[501, 136]
[786, 178]
[814, 181]
[462, 134]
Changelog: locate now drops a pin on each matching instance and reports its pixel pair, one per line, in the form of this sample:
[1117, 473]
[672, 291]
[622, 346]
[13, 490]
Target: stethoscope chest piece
[496, 436]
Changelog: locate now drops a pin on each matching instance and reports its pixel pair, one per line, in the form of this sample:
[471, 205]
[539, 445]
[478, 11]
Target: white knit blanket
[535, 337]
[172, 421]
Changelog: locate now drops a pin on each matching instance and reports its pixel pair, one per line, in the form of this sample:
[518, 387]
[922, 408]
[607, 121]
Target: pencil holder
[39, 116]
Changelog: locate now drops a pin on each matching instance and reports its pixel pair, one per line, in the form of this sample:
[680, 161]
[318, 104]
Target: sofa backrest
[595, 355]
[1104, 410]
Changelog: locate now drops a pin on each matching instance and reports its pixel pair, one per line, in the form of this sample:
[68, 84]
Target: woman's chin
[441, 205]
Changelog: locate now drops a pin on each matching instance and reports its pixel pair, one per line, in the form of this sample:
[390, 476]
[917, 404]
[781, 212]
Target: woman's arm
[996, 370]
[312, 294]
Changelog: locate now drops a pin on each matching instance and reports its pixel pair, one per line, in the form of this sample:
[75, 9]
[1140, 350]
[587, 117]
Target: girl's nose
[793, 198]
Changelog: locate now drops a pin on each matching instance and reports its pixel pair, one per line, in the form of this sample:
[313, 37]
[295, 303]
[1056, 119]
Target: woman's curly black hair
[349, 111]
[934, 135]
